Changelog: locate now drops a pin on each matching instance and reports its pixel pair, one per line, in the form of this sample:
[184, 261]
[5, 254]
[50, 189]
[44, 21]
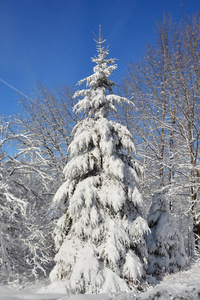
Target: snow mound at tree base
[192, 294]
[183, 285]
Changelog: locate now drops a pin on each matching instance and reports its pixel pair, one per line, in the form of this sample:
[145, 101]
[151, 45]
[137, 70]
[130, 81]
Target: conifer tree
[100, 237]
[165, 243]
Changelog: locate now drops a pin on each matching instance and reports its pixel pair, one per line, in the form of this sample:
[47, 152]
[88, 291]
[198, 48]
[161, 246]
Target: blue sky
[51, 41]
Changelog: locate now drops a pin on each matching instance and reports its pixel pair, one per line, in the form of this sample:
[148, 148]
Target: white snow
[182, 285]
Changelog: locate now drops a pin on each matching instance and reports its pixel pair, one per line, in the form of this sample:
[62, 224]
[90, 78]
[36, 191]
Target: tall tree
[100, 237]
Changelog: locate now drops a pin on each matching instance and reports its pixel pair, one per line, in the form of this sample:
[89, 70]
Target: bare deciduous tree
[33, 152]
[164, 87]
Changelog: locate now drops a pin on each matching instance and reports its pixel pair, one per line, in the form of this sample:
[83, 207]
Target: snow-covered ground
[184, 285]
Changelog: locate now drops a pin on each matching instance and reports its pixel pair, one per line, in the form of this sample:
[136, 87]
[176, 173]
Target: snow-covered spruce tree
[100, 237]
[165, 243]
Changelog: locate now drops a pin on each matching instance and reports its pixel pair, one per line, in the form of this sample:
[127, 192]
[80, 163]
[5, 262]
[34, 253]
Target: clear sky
[51, 41]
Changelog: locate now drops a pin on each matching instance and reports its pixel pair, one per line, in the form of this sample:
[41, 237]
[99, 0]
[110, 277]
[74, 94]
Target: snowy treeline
[32, 156]
[107, 190]
[165, 121]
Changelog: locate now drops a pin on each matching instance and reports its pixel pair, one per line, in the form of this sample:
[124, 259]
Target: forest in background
[164, 120]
